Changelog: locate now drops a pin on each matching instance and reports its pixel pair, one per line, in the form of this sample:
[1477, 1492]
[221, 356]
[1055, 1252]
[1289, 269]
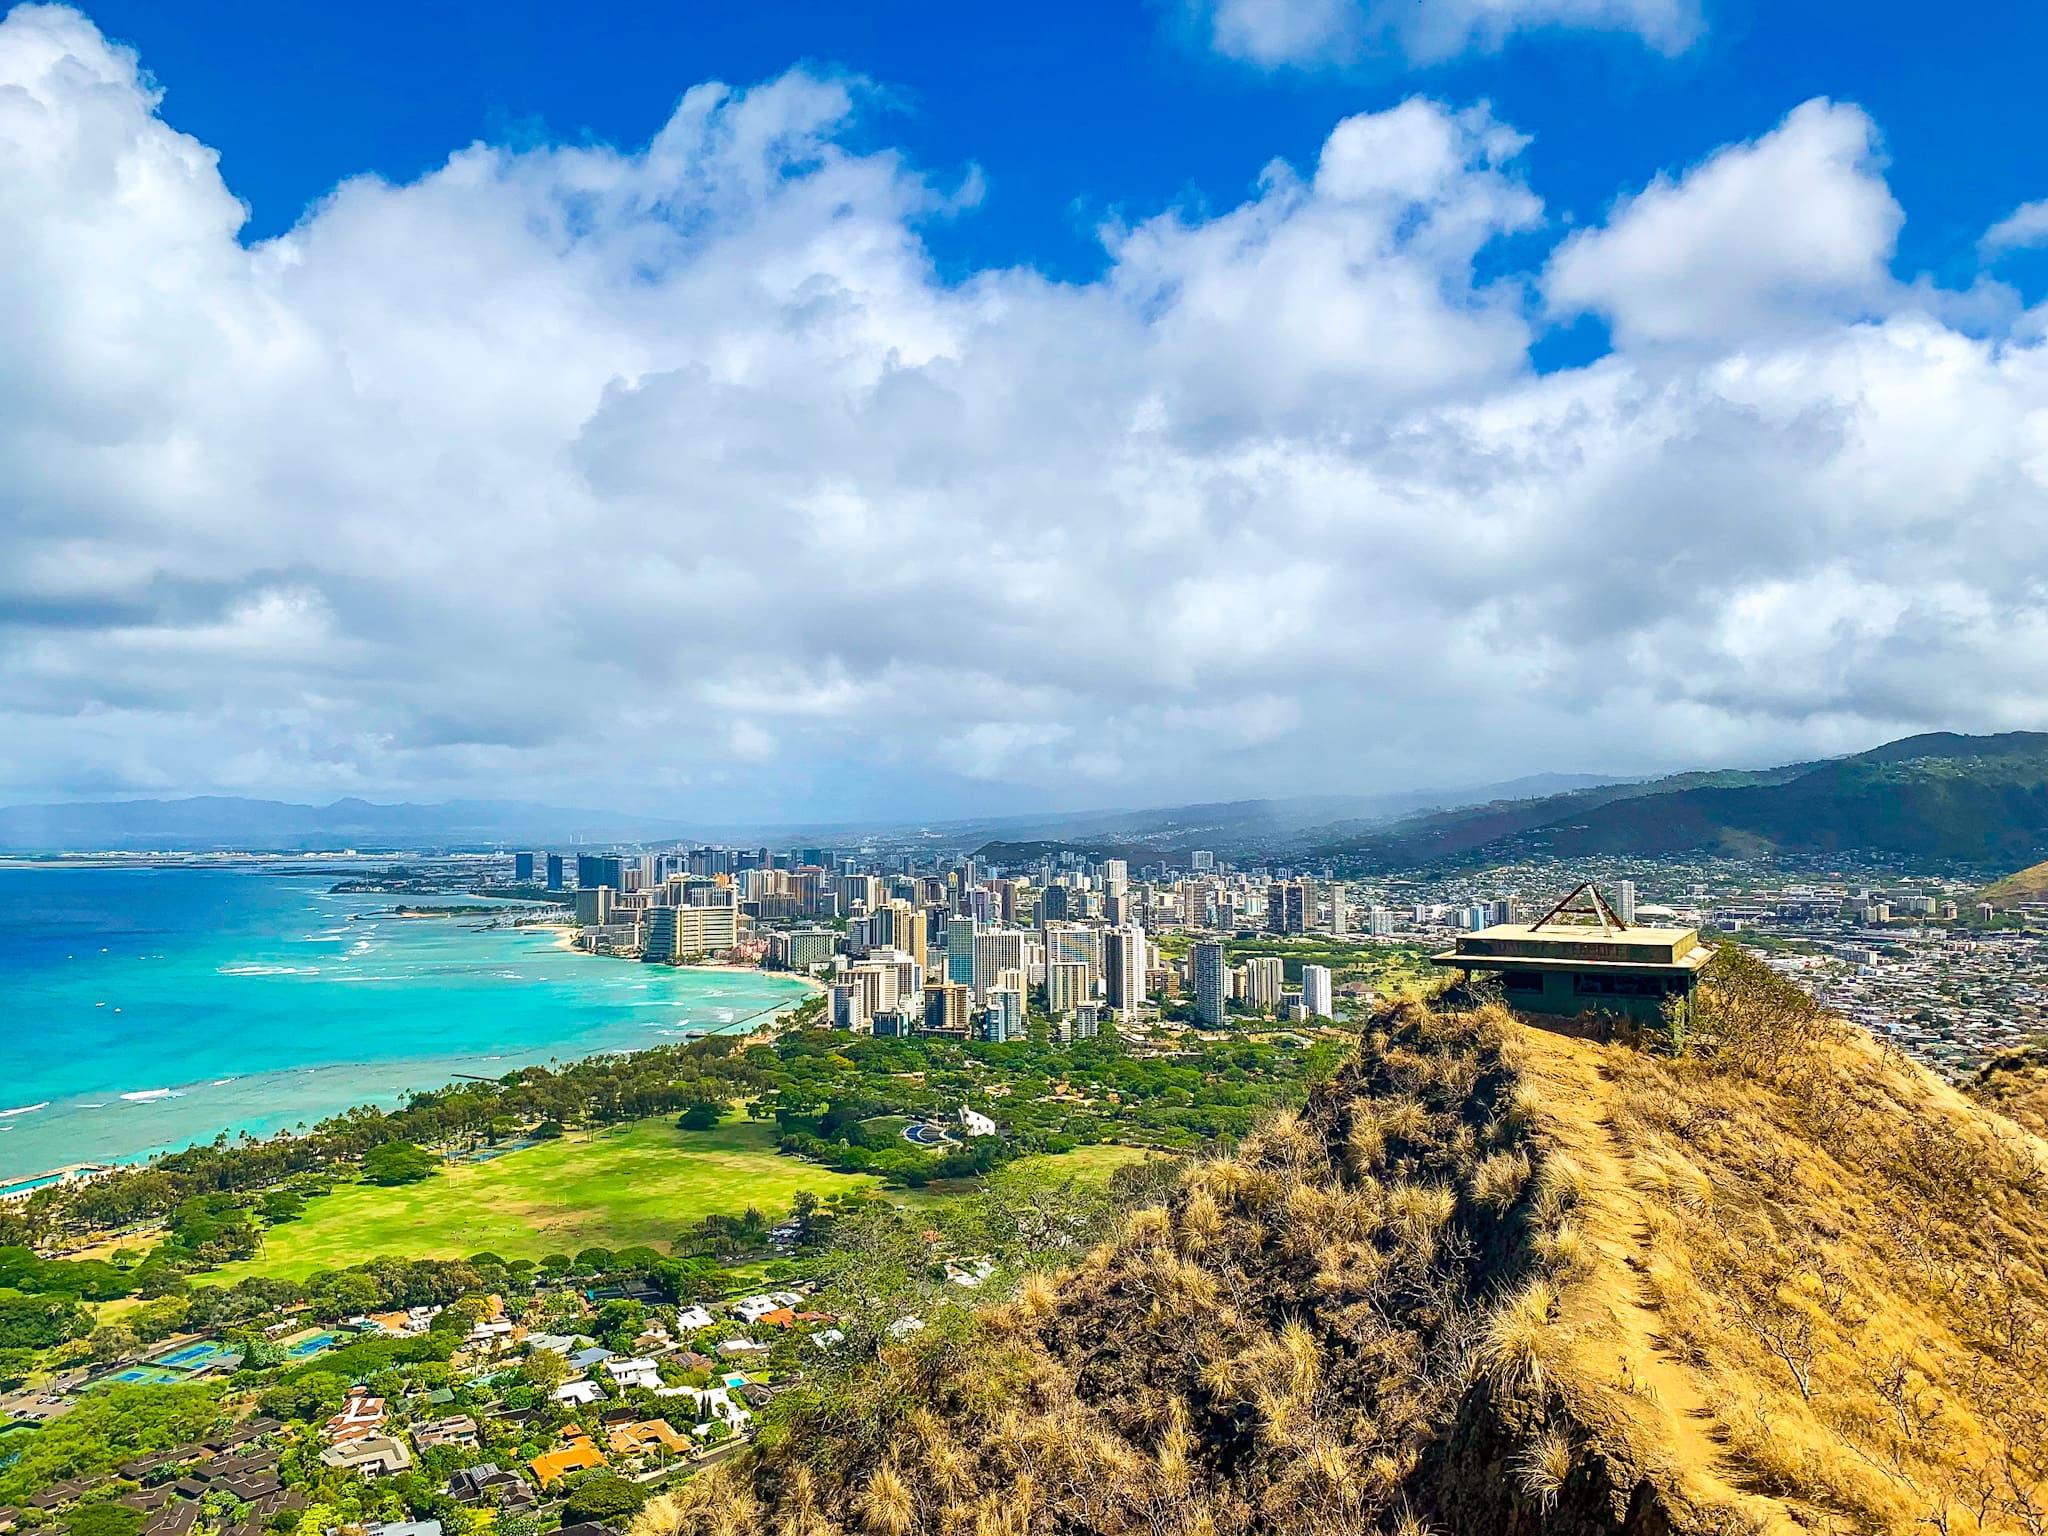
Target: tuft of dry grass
[886, 1506]
[1560, 1188]
[1498, 1180]
[1518, 1345]
[1541, 1469]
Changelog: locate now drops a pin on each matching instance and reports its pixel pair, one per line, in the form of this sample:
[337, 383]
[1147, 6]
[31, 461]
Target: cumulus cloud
[2022, 229]
[677, 475]
[1795, 227]
[1311, 33]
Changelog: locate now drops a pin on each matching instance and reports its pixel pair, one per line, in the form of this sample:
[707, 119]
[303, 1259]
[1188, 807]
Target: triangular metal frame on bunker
[1598, 909]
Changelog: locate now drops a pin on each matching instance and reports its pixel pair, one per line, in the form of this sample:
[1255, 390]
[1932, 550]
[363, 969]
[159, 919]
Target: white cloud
[679, 476]
[1793, 228]
[2022, 229]
[1310, 33]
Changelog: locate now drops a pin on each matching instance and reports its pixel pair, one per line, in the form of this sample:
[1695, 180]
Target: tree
[398, 1162]
[547, 1369]
[112, 1341]
[604, 1498]
[37, 1322]
[700, 1117]
[104, 1520]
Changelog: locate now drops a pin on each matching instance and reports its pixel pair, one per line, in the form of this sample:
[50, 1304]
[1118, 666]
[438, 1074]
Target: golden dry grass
[1488, 1280]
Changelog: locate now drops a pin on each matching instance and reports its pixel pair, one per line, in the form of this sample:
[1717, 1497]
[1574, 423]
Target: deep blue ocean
[143, 1008]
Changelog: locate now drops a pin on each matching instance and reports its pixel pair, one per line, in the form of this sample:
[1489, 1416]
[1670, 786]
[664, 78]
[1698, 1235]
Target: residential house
[581, 1393]
[638, 1372]
[361, 1415]
[711, 1403]
[748, 1308]
[690, 1319]
[645, 1437]
[456, 1429]
[487, 1483]
[577, 1453]
[371, 1455]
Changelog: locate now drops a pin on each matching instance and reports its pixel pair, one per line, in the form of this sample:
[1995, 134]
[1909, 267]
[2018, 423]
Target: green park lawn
[642, 1183]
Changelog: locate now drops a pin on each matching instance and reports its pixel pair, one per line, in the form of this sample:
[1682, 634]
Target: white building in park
[975, 1123]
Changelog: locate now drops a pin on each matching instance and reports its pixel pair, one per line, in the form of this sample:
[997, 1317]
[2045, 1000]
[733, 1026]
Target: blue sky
[824, 410]
[1091, 108]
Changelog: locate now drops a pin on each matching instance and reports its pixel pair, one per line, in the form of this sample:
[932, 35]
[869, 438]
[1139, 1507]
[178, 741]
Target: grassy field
[639, 1184]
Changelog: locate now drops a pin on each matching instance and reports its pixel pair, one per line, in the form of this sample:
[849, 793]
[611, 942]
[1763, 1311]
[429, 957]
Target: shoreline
[130, 1128]
[565, 938]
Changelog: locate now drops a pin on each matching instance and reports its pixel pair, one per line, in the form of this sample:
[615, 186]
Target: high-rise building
[1263, 975]
[961, 933]
[1072, 942]
[1115, 873]
[1202, 861]
[522, 868]
[1212, 983]
[593, 905]
[1052, 904]
[554, 871]
[1006, 1014]
[1088, 1021]
[1287, 906]
[1067, 985]
[675, 933]
[1123, 969]
[997, 950]
[1625, 904]
[1317, 995]
[600, 869]
[946, 1006]
[1380, 922]
[1340, 909]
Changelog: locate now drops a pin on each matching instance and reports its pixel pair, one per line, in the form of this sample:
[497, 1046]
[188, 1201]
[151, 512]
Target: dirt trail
[1617, 1322]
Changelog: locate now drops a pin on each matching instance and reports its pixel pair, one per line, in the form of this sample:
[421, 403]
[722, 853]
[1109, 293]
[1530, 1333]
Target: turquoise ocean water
[142, 1009]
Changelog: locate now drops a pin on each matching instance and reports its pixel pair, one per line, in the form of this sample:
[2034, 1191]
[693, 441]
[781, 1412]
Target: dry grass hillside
[1493, 1280]
[2029, 884]
[2015, 1083]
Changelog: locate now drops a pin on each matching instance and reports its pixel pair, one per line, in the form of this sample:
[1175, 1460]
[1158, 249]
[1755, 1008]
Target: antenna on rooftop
[1595, 908]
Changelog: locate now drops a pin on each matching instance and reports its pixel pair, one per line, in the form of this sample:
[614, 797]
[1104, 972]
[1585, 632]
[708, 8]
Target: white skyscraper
[1123, 968]
[1317, 996]
[1340, 912]
[1380, 922]
[1625, 902]
[1263, 975]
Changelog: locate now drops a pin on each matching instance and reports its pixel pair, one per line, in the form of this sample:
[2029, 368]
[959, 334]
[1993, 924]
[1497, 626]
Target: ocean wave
[257, 970]
[26, 1109]
[149, 1095]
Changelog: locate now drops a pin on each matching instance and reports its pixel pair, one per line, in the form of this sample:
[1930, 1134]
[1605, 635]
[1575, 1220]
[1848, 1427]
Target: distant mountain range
[210, 823]
[214, 822]
[1940, 797]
